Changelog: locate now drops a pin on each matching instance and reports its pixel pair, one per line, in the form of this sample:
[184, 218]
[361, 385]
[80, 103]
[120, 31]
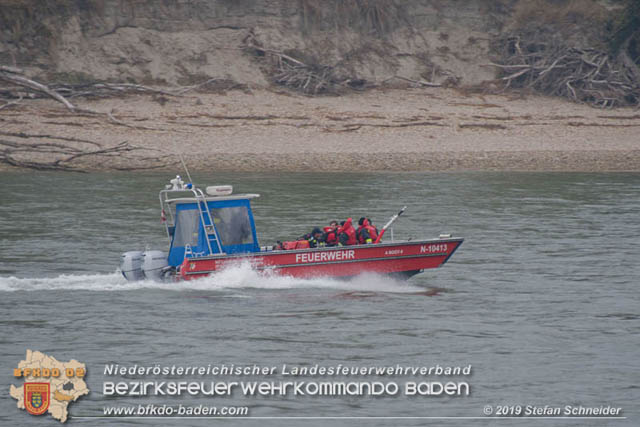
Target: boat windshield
[233, 225]
[186, 232]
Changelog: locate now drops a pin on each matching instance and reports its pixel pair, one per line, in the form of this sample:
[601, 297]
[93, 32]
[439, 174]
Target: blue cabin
[208, 225]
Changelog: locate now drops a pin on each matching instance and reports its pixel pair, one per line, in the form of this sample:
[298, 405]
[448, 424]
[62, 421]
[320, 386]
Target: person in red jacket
[331, 234]
[374, 230]
[347, 234]
[366, 232]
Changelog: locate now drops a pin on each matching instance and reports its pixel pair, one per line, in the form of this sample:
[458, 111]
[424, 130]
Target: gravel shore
[379, 130]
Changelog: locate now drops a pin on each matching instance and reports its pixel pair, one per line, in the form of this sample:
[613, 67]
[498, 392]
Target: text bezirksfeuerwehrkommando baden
[334, 387]
[284, 388]
[283, 370]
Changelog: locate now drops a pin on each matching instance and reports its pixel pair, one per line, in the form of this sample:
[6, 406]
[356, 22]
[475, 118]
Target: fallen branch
[9, 69]
[122, 147]
[11, 103]
[295, 74]
[229, 83]
[19, 80]
[355, 126]
[63, 92]
[21, 154]
[542, 61]
[492, 126]
[416, 82]
[61, 138]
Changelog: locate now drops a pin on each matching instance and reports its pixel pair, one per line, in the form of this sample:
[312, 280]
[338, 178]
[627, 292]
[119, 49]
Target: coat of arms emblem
[36, 398]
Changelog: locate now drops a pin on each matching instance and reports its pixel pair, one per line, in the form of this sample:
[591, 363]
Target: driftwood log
[542, 61]
[63, 92]
[21, 86]
[50, 152]
[15, 76]
[293, 73]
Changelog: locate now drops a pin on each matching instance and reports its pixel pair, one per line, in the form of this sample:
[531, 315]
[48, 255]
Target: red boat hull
[400, 258]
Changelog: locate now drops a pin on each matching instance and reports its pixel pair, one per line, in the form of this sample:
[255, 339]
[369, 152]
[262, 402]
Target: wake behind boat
[213, 229]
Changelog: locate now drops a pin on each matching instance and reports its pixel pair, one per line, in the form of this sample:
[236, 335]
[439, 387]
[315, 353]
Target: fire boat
[214, 229]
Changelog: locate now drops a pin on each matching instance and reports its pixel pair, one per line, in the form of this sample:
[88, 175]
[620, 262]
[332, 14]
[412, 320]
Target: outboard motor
[131, 265]
[153, 263]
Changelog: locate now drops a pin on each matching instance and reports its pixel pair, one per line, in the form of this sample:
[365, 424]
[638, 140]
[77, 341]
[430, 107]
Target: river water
[541, 299]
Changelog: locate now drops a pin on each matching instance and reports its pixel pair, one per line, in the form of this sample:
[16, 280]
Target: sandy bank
[390, 130]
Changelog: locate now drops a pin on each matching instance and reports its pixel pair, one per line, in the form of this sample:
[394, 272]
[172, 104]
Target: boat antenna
[185, 168]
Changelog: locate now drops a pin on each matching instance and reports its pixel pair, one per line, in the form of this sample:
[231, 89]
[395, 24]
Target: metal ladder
[209, 230]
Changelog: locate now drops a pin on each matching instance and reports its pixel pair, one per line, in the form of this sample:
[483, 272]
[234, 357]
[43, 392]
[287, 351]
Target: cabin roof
[180, 200]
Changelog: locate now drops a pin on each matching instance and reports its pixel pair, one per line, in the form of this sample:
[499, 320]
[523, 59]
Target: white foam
[235, 277]
[95, 282]
[243, 276]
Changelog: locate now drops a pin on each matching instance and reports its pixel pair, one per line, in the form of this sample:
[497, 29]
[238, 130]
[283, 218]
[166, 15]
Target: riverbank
[430, 129]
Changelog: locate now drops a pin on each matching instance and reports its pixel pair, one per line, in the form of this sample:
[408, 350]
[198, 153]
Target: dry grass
[376, 17]
[559, 12]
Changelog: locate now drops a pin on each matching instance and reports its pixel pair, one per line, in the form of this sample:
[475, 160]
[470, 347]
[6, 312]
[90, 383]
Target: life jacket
[294, 244]
[331, 236]
[347, 234]
[367, 233]
[302, 244]
[371, 231]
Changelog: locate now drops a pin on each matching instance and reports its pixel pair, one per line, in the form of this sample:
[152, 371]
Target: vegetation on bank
[551, 51]
[584, 50]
